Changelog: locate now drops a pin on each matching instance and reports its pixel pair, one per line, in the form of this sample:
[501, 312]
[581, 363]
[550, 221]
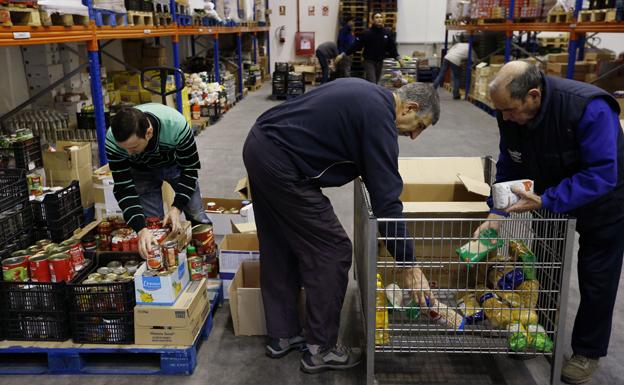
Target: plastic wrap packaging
[110, 5]
[470, 308]
[73, 7]
[505, 277]
[503, 196]
[529, 291]
[511, 298]
[538, 338]
[475, 251]
[517, 340]
[445, 316]
[401, 300]
[496, 311]
[520, 251]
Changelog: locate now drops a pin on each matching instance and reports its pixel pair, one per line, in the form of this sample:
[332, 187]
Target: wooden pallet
[482, 21]
[254, 87]
[163, 19]
[19, 16]
[65, 19]
[560, 17]
[140, 18]
[597, 16]
[104, 17]
[19, 4]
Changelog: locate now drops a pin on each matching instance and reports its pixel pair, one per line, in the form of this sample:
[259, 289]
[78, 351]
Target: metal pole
[267, 34]
[509, 34]
[577, 8]
[239, 54]
[445, 50]
[173, 11]
[98, 99]
[192, 46]
[216, 58]
[581, 47]
[254, 40]
[572, 45]
[176, 63]
[469, 64]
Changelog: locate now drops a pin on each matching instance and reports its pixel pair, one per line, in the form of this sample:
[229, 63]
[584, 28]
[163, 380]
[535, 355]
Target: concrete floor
[463, 130]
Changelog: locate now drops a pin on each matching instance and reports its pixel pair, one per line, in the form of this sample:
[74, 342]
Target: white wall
[325, 28]
[13, 79]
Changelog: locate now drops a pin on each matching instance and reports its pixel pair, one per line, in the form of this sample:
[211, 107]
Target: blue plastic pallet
[105, 17]
[47, 358]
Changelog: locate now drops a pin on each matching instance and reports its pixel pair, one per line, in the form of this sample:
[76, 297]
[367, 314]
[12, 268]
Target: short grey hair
[519, 81]
[426, 97]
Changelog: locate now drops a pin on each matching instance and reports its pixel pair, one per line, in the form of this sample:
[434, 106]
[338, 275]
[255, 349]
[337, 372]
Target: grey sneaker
[279, 347]
[316, 359]
[579, 369]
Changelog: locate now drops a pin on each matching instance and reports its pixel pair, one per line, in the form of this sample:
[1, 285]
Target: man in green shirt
[146, 145]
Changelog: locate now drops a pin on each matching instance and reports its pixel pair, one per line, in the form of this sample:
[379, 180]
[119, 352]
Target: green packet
[517, 341]
[519, 250]
[474, 251]
[538, 338]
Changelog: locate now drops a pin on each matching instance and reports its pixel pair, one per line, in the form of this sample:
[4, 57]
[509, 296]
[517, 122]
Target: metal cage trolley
[501, 295]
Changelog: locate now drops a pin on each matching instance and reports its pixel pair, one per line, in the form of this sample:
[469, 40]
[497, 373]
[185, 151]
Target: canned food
[153, 222]
[39, 268]
[90, 281]
[104, 270]
[32, 249]
[154, 258]
[204, 239]
[131, 266]
[76, 252]
[111, 276]
[20, 253]
[113, 264]
[89, 243]
[95, 276]
[106, 280]
[170, 254]
[43, 242]
[49, 246]
[233, 210]
[211, 267]
[150, 273]
[15, 269]
[120, 270]
[196, 268]
[211, 206]
[61, 268]
[124, 279]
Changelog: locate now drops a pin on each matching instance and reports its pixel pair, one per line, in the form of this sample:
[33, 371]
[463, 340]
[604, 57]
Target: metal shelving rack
[576, 45]
[93, 35]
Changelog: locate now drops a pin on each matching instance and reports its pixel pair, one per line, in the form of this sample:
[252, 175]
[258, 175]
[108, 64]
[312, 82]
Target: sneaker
[579, 369]
[279, 347]
[316, 359]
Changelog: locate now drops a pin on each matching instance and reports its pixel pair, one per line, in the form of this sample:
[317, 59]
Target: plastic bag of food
[513, 299]
[401, 300]
[524, 316]
[529, 292]
[444, 315]
[520, 251]
[517, 340]
[538, 338]
[470, 308]
[503, 195]
[496, 311]
[505, 277]
[476, 250]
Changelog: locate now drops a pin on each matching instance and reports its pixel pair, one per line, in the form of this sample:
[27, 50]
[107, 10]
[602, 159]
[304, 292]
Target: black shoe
[337, 358]
[279, 347]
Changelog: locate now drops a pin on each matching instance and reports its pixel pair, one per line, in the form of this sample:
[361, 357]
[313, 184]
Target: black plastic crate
[62, 229]
[86, 120]
[13, 188]
[13, 222]
[280, 77]
[40, 326]
[27, 154]
[116, 297]
[282, 67]
[111, 328]
[57, 205]
[133, 5]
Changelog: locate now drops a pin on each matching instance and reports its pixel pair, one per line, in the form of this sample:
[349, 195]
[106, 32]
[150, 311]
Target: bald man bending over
[566, 136]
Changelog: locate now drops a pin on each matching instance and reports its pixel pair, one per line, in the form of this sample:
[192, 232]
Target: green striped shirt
[173, 144]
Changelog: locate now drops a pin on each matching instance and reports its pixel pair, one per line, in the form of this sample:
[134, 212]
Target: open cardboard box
[440, 188]
[222, 222]
[233, 250]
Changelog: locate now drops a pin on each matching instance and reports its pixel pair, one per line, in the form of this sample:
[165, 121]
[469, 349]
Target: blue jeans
[455, 75]
[324, 63]
[148, 185]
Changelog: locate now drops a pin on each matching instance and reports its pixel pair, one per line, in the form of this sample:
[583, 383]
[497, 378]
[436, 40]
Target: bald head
[517, 78]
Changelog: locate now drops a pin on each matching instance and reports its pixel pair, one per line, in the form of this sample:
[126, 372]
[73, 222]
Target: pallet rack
[93, 36]
[576, 44]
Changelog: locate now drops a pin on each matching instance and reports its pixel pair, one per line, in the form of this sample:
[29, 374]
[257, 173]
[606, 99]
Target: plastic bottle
[382, 336]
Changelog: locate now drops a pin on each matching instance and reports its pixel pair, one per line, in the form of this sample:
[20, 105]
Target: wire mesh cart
[509, 292]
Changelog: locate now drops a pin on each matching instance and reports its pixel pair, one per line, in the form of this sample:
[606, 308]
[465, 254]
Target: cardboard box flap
[243, 228]
[244, 295]
[243, 188]
[475, 186]
[445, 207]
[440, 170]
[244, 242]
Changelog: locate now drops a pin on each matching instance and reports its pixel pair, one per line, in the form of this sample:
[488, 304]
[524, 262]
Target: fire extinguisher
[281, 34]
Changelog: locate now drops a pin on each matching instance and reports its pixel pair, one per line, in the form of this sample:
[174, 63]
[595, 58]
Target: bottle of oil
[382, 335]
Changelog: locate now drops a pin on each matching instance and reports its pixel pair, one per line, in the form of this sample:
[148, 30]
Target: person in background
[346, 38]
[378, 43]
[566, 136]
[146, 145]
[326, 53]
[325, 138]
[453, 60]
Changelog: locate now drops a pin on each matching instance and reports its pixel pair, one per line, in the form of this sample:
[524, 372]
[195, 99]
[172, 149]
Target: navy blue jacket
[378, 44]
[342, 130]
[573, 149]
[346, 38]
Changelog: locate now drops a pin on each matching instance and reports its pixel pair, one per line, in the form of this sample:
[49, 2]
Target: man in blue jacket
[566, 136]
[346, 38]
[329, 136]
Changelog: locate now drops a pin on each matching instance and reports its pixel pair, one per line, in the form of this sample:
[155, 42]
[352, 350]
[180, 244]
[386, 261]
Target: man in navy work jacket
[331, 135]
[566, 136]
[346, 38]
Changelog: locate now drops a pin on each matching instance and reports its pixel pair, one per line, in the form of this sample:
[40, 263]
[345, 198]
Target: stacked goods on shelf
[395, 76]
[141, 54]
[15, 212]
[109, 13]
[602, 11]
[498, 10]
[21, 150]
[205, 95]
[16, 13]
[229, 81]
[358, 9]
[65, 12]
[140, 12]
[457, 11]
[483, 76]
[252, 75]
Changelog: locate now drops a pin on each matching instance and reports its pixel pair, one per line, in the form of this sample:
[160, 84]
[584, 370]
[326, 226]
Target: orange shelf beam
[12, 36]
[136, 32]
[537, 27]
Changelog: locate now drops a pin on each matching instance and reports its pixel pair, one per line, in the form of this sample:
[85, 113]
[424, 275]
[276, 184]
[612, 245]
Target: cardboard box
[221, 222]
[599, 56]
[130, 96]
[176, 325]
[64, 166]
[243, 188]
[244, 228]
[161, 290]
[444, 188]
[558, 58]
[234, 249]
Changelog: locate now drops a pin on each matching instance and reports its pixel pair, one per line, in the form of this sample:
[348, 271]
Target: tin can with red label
[15, 269]
[76, 252]
[154, 257]
[170, 254]
[153, 222]
[39, 268]
[204, 239]
[134, 242]
[125, 243]
[211, 267]
[61, 268]
[196, 268]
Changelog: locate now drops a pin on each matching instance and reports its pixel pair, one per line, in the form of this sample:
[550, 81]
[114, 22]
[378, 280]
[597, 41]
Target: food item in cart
[382, 326]
[529, 292]
[444, 315]
[512, 298]
[519, 250]
[524, 316]
[496, 311]
[517, 340]
[538, 338]
[401, 300]
[505, 277]
[476, 250]
[503, 195]
[471, 309]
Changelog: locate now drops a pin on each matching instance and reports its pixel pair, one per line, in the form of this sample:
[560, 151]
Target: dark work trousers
[302, 243]
[599, 266]
[455, 77]
[372, 70]
[324, 63]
